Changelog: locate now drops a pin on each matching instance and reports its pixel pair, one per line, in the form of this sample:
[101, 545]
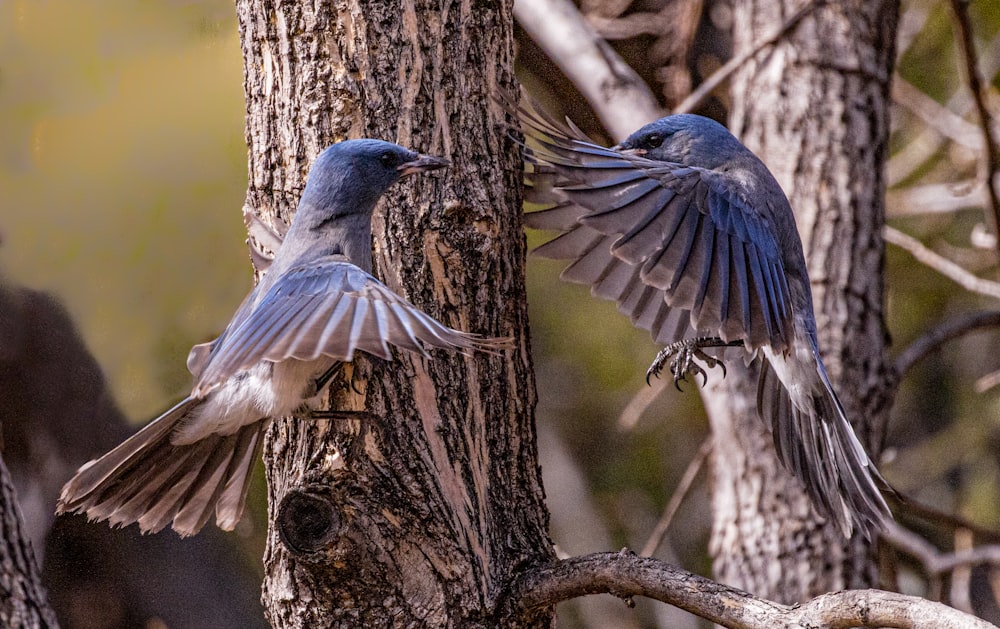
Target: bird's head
[683, 139]
[355, 173]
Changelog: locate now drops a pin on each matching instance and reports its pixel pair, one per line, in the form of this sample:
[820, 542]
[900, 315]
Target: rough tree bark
[418, 514]
[815, 108]
[23, 601]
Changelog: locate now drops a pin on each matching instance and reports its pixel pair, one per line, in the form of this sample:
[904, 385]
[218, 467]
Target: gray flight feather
[691, 235]
[316, 305]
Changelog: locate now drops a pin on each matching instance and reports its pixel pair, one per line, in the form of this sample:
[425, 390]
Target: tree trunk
[23, 602]
[815, 108]
[418, 514]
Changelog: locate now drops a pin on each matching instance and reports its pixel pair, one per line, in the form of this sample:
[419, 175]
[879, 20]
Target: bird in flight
[691, 235]
[314, 308]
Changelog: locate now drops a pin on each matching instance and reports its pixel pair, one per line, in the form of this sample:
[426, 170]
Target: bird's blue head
[350, 176]
[684, 139]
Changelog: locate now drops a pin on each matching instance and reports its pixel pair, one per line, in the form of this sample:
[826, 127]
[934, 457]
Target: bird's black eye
[388, 159]
[652, 141]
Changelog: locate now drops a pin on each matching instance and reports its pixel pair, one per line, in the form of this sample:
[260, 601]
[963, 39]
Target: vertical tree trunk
[815, 108]
[23, 601]
[417, 514]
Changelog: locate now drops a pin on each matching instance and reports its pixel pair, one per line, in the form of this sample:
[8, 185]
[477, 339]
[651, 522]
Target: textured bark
[417, 514]
[23, 601]
[815, 108]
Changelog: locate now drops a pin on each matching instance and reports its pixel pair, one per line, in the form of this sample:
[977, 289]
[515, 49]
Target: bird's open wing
[680, 249]
[331, 308]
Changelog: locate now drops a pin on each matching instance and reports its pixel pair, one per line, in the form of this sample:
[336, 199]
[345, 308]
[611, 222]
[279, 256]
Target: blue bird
[691, 235]
[315, 307]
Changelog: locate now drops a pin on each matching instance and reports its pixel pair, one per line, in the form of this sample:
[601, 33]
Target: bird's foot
[681, 358]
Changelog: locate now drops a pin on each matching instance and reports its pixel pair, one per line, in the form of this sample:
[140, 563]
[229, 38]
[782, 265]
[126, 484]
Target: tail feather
[233, 500]
[818, 445]
[151, 481]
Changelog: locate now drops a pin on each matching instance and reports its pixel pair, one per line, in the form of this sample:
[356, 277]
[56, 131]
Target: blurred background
[122, 176]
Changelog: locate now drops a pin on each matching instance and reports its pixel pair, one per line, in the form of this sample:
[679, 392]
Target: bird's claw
[681, 359]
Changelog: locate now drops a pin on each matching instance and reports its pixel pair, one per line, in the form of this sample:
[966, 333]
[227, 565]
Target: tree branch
[708, 86]
[934, 198]
[625, 574]
[941, 334]
[934, 114]
[942, 265]
[618, 95]
[927, 142]
[660, 530]
[933, 560]
[967, 47]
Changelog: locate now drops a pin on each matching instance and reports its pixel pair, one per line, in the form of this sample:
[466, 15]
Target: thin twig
[935, 562]
[691, 473]
[942, 265]
[987, 382]
[695, 98]
[967, 46]
[632, 25]
[928, 141]
[946, 122]
[961, 575]
[625, 574]
[941, 334]
[908, 506]
[636, 407]
[934, 198]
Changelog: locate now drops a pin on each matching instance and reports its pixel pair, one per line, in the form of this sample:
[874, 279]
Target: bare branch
[941, 264]
[614, 90]
[977, 86]
[625, 574]
[935, 198]
[913, 507]
[961, 576]
[604, 8]
[631, 25]
[912, 156]
[723, 73]
[942, 119]
[941, 334]
[636, 406]
[660, 530]
[987, 382]
[933, 561]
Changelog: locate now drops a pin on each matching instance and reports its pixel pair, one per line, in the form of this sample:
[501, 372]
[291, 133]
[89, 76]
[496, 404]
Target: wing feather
[687, 233]
[329, 307]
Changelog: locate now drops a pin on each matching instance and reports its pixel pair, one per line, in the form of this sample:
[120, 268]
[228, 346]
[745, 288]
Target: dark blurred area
[56, 413]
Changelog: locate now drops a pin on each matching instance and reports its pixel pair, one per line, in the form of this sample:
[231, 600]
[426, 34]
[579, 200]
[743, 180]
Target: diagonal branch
[941, 334]
[656, 537]
[719, 76]
[934, 561]
[625, 574]
[977, 86]
[941, 264]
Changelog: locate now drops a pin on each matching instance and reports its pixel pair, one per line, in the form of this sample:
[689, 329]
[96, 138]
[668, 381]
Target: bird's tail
[151, 481]
[818, 445]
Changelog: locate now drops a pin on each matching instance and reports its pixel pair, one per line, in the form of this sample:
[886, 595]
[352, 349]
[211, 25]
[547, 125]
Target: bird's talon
[682, 358]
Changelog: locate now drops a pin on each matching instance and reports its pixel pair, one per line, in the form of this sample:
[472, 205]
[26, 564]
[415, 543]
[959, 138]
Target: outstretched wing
[328, 307]
[680, 249]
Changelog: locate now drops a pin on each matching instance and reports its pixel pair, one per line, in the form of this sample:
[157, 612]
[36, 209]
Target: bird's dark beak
[631, 152]
[423, 163]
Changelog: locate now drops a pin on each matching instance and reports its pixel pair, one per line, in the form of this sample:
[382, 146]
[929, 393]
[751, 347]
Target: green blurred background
[122, 176]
